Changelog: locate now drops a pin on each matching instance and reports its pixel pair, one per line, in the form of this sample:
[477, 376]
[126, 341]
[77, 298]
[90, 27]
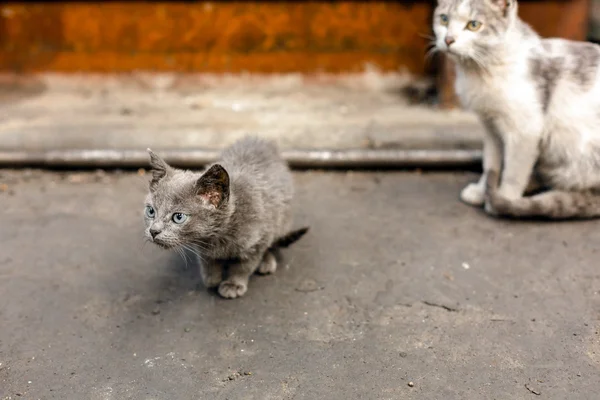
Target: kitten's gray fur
[238, 211]
[539, 100]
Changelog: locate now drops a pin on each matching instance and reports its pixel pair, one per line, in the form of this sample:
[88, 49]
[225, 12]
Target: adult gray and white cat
[539, 100]
[233, 216]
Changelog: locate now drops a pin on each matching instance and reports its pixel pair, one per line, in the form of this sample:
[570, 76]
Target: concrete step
[173, 111]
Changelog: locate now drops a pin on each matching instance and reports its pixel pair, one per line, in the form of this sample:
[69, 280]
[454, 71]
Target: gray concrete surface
[137, 111]
[396, 283]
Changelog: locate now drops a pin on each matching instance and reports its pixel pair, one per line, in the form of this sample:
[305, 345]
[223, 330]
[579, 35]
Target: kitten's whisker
[192, 250]
[189, 248]
[143, 245]
[186, 257]
[202, 246]
[182, 254]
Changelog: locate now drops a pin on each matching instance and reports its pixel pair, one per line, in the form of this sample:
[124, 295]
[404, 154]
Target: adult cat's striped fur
[554, 204]
[539, 100]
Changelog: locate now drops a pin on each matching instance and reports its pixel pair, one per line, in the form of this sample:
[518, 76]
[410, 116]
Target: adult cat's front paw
[489, 209]
[231, 290]
[473, 194]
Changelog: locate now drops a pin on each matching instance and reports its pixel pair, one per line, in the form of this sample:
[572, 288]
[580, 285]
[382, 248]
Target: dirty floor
[398, 292]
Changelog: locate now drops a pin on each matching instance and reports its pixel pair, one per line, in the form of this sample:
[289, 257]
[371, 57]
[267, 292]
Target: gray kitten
[538, 100]
[233, 216]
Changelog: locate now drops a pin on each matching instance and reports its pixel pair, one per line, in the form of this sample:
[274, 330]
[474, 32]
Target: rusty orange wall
[232, 36]
[564, 18]
[212, 36]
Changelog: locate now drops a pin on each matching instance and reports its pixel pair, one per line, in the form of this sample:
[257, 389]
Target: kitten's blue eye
[444, 19]
[150, 213]
[179, 218]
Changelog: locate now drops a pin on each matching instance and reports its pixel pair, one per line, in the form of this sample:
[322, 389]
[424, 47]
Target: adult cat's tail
[553, 204]
[289, 238]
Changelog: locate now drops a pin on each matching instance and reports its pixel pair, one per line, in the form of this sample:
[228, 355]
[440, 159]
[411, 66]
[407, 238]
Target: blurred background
[180, 75]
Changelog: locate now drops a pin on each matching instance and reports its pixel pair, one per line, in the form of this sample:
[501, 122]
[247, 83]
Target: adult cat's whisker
[430, 53]
[427, 36]
[479, 60]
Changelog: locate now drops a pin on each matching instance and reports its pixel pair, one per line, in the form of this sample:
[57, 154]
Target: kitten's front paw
[268, 264]
[473, 194]
[231, 290]
[212, 275]
[212, 281]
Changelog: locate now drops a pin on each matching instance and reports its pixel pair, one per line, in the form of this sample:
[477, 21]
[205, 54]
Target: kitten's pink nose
[449, 40]
[154, 232]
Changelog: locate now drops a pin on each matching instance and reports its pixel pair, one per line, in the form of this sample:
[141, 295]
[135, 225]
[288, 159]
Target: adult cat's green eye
[179, 218]
[474, 25]
[150, 213]
[444, 19]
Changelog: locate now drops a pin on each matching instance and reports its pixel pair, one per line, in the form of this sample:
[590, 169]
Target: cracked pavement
[399, 291]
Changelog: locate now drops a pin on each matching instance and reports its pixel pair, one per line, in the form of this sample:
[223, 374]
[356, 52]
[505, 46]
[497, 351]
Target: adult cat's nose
[154, 232]
[449, 40]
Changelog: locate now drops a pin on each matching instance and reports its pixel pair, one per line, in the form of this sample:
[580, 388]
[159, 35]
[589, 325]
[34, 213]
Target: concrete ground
[398, 292]
[136, 111]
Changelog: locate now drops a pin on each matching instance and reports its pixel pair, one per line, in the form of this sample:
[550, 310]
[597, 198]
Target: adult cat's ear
[213, 186]
[159, 169]
[505, 5]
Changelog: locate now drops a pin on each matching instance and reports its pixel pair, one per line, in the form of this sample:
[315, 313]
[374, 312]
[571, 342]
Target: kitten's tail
[553, 204]
[290, 238]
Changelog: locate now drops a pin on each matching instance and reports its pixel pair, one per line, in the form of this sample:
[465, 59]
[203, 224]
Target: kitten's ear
[213, 186]
[159, 169]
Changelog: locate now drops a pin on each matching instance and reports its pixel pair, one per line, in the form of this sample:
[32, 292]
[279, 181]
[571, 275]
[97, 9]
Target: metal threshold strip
[318, 158]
